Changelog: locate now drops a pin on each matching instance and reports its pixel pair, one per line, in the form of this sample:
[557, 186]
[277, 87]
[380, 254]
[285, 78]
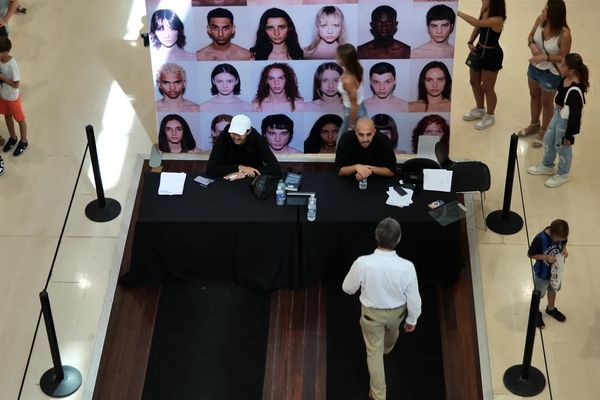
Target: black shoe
[9, 144]
[556, 314]
[21, 147]
[1, 166]
[539, 322]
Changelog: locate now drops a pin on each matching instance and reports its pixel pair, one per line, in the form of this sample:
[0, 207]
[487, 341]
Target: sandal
[537, 143]
[532, 128]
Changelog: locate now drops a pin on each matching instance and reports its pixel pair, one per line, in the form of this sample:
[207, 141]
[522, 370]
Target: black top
[380, 152]
[575, 103]
[226, 156]
[493, 37]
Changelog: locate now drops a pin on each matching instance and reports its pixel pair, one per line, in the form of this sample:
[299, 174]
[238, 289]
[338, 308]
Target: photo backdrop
[412, 30]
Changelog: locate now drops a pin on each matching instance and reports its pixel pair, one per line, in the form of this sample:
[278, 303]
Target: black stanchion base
[524, 387]
[512, 224]
[60, 388]
[97, 214]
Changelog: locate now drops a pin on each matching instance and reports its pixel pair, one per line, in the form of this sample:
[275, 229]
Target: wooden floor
[296, 349]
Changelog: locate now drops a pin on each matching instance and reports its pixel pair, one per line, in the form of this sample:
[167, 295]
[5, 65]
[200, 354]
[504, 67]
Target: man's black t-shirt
[226, 156]
[380, 152]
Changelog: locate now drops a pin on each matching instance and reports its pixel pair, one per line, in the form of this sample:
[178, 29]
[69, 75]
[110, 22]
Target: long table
[223, 231]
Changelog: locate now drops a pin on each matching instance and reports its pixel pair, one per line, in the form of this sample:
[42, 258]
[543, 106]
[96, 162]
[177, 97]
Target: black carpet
[413, 369]
[209, 343]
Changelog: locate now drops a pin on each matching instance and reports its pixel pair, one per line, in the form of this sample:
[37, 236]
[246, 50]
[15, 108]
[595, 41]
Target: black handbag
[474, 59]
[263, 186]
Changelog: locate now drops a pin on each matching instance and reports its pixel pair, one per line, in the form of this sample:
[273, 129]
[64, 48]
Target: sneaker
[21, 147]
[486, 121]
[540, 169]
[21, 10]
[9, 144]
[556, 180]
[476, 113]
[539, 321]
[532, 128]
[1, 166]
[556, 314]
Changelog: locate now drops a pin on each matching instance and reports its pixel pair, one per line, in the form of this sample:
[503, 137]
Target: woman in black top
[483, 77]
[566, 121]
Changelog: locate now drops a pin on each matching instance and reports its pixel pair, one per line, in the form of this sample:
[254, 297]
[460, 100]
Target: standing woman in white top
[350, 87]
[549, 41]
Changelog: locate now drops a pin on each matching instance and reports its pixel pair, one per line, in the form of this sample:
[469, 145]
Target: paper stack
[394, 198]
[171, 183]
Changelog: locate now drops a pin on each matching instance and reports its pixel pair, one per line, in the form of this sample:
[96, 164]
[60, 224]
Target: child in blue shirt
[543, 249]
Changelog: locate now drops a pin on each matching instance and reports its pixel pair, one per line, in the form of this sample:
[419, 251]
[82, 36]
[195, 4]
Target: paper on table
[394, 198]
[171, 183]
[437, 179]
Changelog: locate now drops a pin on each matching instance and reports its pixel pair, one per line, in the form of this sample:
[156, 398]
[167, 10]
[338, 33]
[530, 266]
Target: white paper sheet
[394, 198]
[171, 183]
[437, 179]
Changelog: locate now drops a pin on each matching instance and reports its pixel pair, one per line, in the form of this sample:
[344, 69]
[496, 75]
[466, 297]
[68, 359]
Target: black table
[225, 232]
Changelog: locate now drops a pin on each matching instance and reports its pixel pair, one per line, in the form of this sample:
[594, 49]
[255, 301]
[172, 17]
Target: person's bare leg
[23, 130]
[535, 101]
[475, 81]
[488, 82]
[10, 125]
[547, 101]
[551, 299]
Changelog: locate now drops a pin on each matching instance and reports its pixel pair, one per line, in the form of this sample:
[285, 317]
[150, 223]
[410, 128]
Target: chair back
[441, 153]
[470, 176]
[412, 170]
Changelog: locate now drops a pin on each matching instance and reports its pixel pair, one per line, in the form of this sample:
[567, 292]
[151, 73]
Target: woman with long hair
[175, 135]
[431, 125]
[276, 37]
[489, 54]
[328, 33]
[549, 41]
[167, 37]
[350, 87]
[566, 121]
[323, 135]
[434, 90]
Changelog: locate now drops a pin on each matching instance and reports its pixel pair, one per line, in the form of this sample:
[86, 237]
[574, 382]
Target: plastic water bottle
[280, 193]
[362, 184]
[311, 214]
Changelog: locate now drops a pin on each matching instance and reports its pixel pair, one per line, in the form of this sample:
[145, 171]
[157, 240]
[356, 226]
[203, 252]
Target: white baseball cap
[240, 124]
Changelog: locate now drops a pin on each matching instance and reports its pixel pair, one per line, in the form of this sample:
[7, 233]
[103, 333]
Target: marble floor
[82, 63]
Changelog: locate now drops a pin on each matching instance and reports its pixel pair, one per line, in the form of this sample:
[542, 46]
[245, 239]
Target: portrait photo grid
[198, 88]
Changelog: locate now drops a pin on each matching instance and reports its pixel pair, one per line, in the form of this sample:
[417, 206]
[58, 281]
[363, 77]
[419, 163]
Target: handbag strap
[485, 42]
[544, 48]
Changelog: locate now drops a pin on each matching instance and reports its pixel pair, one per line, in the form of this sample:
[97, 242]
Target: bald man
[364, 151]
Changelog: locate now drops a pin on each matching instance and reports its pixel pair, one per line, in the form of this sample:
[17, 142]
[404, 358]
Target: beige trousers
[380, 332]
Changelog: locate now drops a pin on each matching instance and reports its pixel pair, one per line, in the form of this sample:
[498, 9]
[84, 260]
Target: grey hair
[388, 233]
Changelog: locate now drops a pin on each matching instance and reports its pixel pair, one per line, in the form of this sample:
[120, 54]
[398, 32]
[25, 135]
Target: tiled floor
[81, 63]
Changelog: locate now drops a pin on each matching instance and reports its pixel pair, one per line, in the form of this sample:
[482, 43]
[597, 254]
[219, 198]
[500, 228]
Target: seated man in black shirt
[364, 152]
[240, 151]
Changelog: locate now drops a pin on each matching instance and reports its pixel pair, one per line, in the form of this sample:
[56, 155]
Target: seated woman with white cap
[240, 152]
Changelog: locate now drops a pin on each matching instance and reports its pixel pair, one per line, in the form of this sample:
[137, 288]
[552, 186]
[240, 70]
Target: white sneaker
[540, 169]
[557, 180]
[476, 113]
[486, 121]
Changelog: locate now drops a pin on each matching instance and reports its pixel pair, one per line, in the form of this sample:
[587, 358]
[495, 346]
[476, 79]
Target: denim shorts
[543, 285]
[546, 79]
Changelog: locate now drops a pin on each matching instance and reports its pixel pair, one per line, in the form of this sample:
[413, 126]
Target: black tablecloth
[223, 231]
[346, 222]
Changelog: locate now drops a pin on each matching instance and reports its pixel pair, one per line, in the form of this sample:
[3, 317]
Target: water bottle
[311, 214]
[362, 184]
[280, 193]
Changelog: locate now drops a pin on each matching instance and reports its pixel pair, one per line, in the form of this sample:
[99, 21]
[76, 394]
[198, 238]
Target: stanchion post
[59, 381]
[505, 221]
[101, 209]
[523, 379]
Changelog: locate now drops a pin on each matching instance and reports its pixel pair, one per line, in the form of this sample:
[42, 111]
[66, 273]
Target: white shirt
[385, 280]
[9, 70]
